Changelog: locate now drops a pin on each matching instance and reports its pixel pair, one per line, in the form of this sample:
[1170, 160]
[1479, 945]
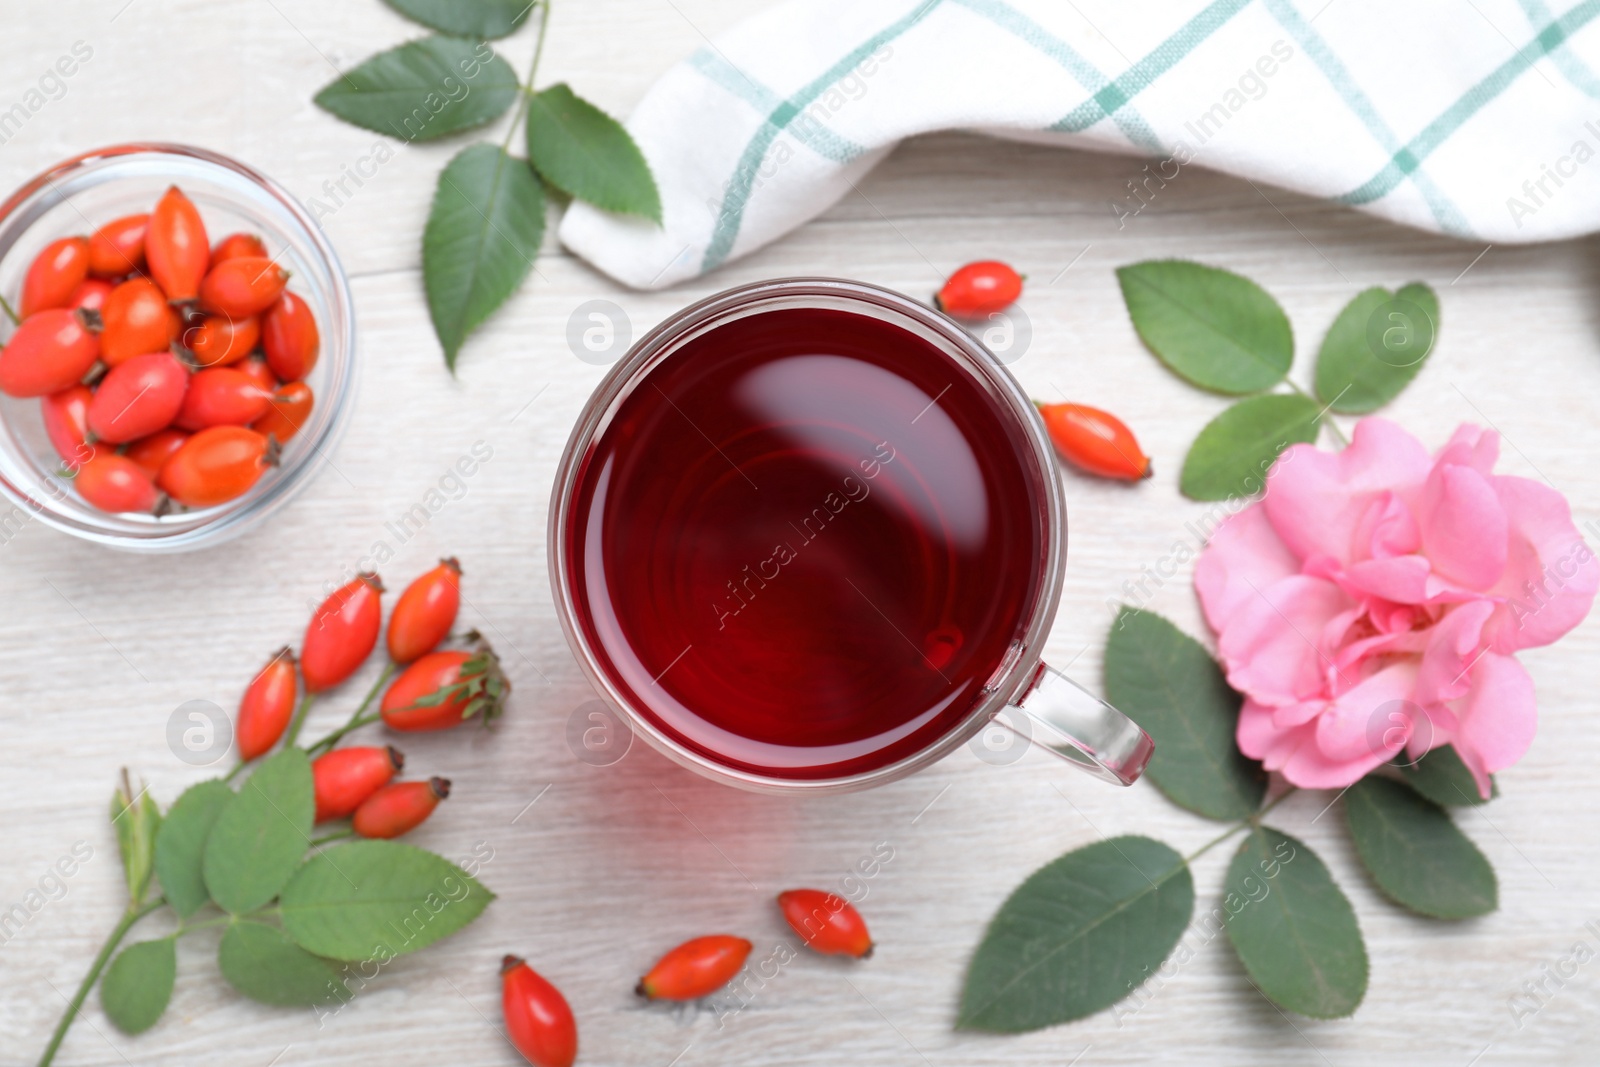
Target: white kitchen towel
[1476, 118]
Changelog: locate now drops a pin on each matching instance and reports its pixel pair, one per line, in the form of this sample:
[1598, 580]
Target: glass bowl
[81, 194]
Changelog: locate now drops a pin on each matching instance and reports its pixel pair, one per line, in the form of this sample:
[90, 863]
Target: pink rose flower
[1373, 599]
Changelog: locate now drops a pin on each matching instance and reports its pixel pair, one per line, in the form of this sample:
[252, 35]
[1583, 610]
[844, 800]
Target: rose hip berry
[539, 1021]
[235, 245]
[342, 632]
[258, 370]
[826, 922]
[51, 350]
[290, 338]
[979, 289]
[266, 707]
[136, 319]
[90, 294]
[243, 286]
[444, 689]
[399, 807]
[217, 340]
[423, 615]
[1095, 441]
[117, 248]
[54, 273]
[287, 411]
[176, 247]
[66, 422]
[217, 465]
[138, 397]
[152, 453]
[695, 968]
[345, 777]
[115, 483]
[222, 396]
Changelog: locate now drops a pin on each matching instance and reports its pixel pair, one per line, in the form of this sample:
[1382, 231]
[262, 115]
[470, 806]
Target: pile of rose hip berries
[437, 689]
[539, 1021]
[170, 372]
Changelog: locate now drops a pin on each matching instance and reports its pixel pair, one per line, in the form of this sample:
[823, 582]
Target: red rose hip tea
[805, 542]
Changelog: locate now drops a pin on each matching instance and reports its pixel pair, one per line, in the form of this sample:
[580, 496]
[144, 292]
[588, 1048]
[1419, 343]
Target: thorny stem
[356, 719]
[527, 85]
[129, 917]
[1254, 819]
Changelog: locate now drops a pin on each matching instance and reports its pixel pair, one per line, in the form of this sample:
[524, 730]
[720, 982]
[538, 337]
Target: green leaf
[1078, 935]
[181, 844]
[1441, 777]
[138, 984]
[1376, 346]
[1233, 453]
[1416, 854]
[264, 964]
[586, 153]
[378, 899]
[477, 19]
[1167, 682]
[1293, 928]
[1215, 328]
[260, 835]
[424, 89]
[136, 820]
[483, 232]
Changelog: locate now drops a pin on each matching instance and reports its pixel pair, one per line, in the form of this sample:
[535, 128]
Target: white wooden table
[612, 865]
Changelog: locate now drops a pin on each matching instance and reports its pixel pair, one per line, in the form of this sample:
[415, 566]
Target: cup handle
[1084, 730]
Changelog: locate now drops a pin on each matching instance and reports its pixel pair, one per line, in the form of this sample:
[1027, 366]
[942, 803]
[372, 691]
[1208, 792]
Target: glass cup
[1021, 693]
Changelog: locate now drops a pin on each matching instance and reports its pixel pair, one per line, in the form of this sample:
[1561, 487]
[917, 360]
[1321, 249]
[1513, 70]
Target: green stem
[129, 917]
[1249, 821]
[1327, 418]
[237, 767]
[298, 720]
[356, 719]
[185, 928]
[10, 312]
[341, 835]
[336, 736]
[527, 84]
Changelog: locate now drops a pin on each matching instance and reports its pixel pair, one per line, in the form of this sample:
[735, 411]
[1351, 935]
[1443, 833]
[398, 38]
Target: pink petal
[1454, 644]
[1471, 446]
[1498, 718]
[1261, 737]
[1269, 645]
[1403, 579]
[1317, 500]
[1551, 575]
[1464, 527]
[1243, 555]
[1373, 720]
[1387, 529]
[1440, 729]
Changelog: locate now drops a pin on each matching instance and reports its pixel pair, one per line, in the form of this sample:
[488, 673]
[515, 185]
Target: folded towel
[1476, 118]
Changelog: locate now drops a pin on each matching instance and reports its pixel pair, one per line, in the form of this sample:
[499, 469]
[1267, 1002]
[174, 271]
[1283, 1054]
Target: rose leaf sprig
[488, 214]
[295, 912]
[1224, 333]
[1413, 579]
